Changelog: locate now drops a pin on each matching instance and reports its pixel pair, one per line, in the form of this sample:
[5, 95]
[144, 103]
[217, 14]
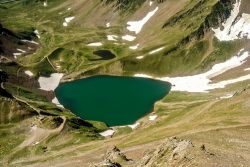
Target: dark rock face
[10, 41]
[3, 78]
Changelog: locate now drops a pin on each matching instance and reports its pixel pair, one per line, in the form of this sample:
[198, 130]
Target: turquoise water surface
[112, 99]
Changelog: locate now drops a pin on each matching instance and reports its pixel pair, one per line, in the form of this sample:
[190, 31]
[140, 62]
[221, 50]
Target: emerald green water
[111, 99]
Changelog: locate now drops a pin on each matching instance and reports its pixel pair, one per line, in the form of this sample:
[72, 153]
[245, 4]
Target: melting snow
[95, 44]
[156, 50]
[234, 28]
[128, 37]
[50, 83]
[68, 20]
[112, 37]
[107, 133]
[108, 25]
[136, 26]
[202, 82]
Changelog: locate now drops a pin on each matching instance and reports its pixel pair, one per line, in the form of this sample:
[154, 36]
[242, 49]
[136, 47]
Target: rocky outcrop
[11, 41]
[220, 11]
[115, 158]
[176, 152]
[173, 152]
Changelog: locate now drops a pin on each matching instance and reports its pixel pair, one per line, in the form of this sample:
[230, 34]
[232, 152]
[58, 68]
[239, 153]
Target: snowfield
[107, 133]
[202, 82]
[136, 26]
[234, 27]
[50, 83]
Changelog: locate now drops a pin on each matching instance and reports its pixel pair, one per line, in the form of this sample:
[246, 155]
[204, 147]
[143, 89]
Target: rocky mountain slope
[200, 46]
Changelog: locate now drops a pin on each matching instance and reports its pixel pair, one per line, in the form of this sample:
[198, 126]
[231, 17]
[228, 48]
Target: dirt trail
[36, 136]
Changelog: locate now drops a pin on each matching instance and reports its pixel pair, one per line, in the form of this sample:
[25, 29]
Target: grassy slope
[201, 117]
[183, 114]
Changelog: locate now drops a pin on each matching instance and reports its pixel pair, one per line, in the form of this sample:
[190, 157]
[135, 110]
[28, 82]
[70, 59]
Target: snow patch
[112, 37]
[65, 24]
[136, 26]
[33, 42]
[29, 73]
[50, 83]
[247, 69]
[68, 20]
[56, 102]
[128, 37]
[45, 3]
[37, 33]
[17, 54]
[69, 9]
[107, 25]
[134, 125]
[228, 96]
[20, 50]
[107, 133]
[156, 50]
[139, 57]
[134, 47]
[202, 82]
[152, 117]
[150, 3]
[95, 44]
[234, 28]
